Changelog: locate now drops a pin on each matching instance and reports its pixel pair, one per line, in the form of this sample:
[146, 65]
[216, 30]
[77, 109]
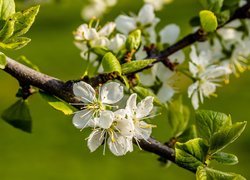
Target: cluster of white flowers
[86, 38]
[116, 128]
[207, 73]
[226, 54]
[211, 63]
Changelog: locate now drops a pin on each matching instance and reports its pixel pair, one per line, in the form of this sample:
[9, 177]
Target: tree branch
[63, 90]
[198, 36]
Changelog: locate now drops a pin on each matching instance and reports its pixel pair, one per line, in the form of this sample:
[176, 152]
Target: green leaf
[205, 173]
[111, 64]
[24, 20]
[144, 92]
[3, 61]
[212, 5]
[8, 30]
[134, 40]
[7, 8]
[15, 43]
[136, 65]
[208, 21]
[231, 2]
[210, 122]
[225, 158]
[188, 134]
[57, 104]
[195, 21]
[191, 154]
[223, 17]
[178, 117]
[26, 62]
[18, 115]
[226, 136]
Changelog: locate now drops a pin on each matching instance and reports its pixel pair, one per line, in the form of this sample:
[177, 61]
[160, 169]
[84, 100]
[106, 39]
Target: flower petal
[125, 24]
[95, 139]
[106, 119]
[144, 107]
[111, 93]
[120, 146]
[124, 124]
[169, 34]
[82, 118]
[146, 14]
[131, 104]
[143, 130]
[165, 93]
[107, 29]
[117, 42]
[178, 57]
[84, 91]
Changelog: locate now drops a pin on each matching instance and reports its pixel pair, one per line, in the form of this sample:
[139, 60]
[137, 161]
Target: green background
[57, 150]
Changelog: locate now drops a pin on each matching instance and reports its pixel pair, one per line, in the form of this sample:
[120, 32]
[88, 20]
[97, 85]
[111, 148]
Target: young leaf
[178, 117]
[8, 30]
[205, 173]
[191, 154]
[7, 8]
[15, 43]
[18, 115]
[208, 21]
[210, 122]
[3, 61]
[225, 158]
[144, 92]
[223, 17]
[57, 104]
[226, 136]
[24, 20]
[134, 66]
[212, 5]
[26, 62]
[110, 63]
[134, 40]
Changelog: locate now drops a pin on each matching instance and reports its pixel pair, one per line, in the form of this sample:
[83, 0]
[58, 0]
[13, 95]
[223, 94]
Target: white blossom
[109, 93]
[208, 75]
[88, 37]
[117, 42]
[169, 34]
[139, 112]
[145, 20]
[114, 129]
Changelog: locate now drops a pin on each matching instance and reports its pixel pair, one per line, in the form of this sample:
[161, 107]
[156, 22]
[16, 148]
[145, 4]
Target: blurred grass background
[55, 149]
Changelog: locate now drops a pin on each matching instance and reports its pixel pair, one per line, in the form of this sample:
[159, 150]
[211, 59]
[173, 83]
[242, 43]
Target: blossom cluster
[110, 124]
[210, 63]
[113, 37]
[226, 54]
